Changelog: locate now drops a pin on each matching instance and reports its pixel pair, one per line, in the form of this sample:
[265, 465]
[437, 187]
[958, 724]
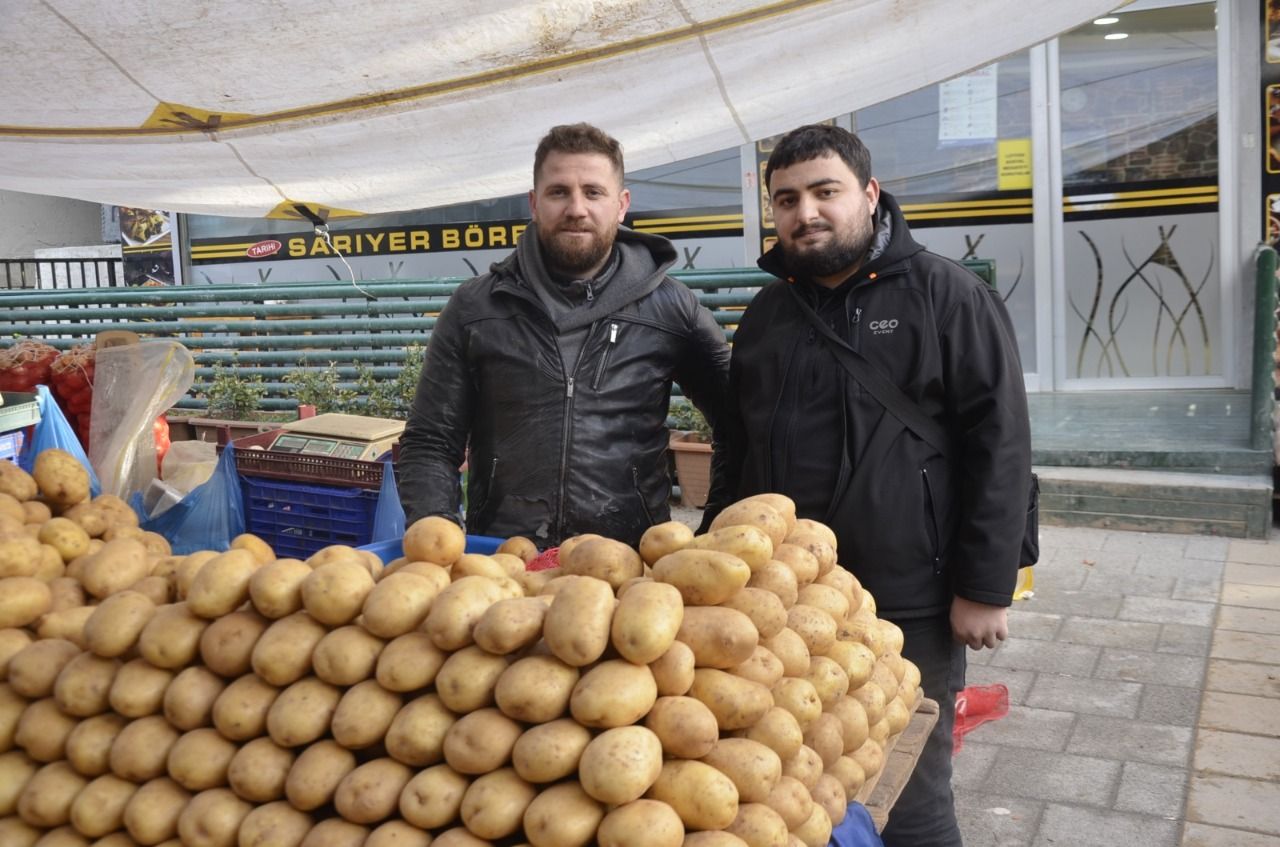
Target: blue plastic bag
[54, 432]
[856, 830]
[388, 519]
[208, 518]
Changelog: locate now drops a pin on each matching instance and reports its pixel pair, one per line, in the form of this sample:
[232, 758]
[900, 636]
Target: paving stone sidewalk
[1144, 689]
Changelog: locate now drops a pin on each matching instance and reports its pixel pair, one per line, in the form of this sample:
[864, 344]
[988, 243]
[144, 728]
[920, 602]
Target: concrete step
[1237, 506]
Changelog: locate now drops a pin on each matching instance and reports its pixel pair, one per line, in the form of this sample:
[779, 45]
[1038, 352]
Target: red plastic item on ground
[546, 560]
[975, 705]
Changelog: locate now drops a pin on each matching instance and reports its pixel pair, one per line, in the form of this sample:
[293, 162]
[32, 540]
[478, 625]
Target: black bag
[914, 418]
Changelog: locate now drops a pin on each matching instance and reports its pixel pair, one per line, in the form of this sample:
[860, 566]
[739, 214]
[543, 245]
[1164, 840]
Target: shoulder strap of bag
[908, 413]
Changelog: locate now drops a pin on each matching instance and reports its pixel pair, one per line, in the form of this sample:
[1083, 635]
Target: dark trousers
[925, 813]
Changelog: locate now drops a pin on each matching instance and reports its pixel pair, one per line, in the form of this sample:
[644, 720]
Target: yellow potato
[456, 610]
[829, 679]
[83, 686]
[791, 650]
[157, 589]
[749, 543]
[641, 823]
[737, 703]
[11, 509]
[259, 770]
[779, 579]
[854, 728]
[764, 608]
[17, 483]
[798, 696]
[520, 547]
[577, 624]
[212, 819]
[535, 689]
[754, 512]
[495, 803]
[346, 656]
[416, 736]
[661, 539]
[686, 728]
[753, 767]
[855, 659]
[824, 736]
[510, 625]
[763, 667]
[480, 742]
[12, 640]
[260, 549]
[791, 799]
[141, 749]
[613, 693]
[35, 512]
[335, 832]
[720, 637]
[371, 792]
[16, 769]
[67, 593]
[22, 600]
[434, 539]
[171, 639]
[824, 597]
[283, 653]
[66, 536]
[476, 564]
[673, 670]
[409, 662]
[779, 731]
[398, 604]
[222, 585]
[65, 625]
[603, 558]
[550, 751]
[88, 747]
[43, 730]
[17, 832]
[758, 825]
[873, 701]
[117, 623]
[98, 809]
[275, 825]
[433, 797]
[334, 593]
[646, 621]
[364, 714]
[119, 564]
[620, 764]
[302, 712]
[562, 814]
[849, 774]
[199, 759]
[818, 543]
[188, 701]
[703, 577]
[226, 645]
[870, 757]
[275, 589]
[34, 669]
[816, 831]
[60, 477]
[467, 679]
[46, 800]
[805, 765]
[240, 712]
[316, 774]
[335, 553]
[802, 561]
[846, 583]
[703, 797]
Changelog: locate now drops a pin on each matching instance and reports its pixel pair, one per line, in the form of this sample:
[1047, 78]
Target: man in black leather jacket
[552, 373]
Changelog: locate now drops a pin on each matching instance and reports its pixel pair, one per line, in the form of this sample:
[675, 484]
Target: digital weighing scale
[338, 436]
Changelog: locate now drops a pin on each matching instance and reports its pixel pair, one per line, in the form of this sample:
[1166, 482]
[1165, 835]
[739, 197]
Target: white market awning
[245, 108]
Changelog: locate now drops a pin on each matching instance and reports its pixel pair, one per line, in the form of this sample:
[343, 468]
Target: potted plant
[691, 445]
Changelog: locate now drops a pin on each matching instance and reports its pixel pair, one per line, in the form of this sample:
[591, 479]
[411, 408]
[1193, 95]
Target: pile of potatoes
[729, 689]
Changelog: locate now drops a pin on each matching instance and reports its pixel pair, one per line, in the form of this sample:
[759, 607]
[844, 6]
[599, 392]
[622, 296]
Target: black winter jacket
[914, 528]
[554, 454]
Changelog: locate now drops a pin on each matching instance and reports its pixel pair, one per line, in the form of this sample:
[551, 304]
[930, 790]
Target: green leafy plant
[685, 417]
[233, 394]
[371, 395]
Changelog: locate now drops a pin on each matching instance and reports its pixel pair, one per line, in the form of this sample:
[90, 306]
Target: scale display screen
[313, 446]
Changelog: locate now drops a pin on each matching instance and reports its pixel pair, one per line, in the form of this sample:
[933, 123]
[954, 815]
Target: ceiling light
[1106, 21]
[1115, 36]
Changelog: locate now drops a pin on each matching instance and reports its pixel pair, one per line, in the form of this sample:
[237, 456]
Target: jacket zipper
[635, 478]
[604, 359]
[565, 429]
[933, 520]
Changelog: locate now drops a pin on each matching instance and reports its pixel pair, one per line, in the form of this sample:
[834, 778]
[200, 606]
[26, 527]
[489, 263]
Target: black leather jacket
[554, 454]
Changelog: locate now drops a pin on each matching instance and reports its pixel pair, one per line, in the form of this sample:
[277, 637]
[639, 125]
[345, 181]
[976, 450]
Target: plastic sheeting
[242, 108]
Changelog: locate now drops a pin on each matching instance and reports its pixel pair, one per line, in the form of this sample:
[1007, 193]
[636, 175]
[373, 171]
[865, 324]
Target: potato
[661, 539]
[480, 742]
[66, 836]
[830, 794]
[260, 549]
[199, 759]
[685, 726]
[416, 736]
[791, 650]
[673, 670]
[46, 800]
[754, 767]
[720, 637]
[283, 653]
[620, 764]
[22, 600]
[641, 823]
[60, 477]
[12, 641]
[763, 667]
[456, 610]
[737, 703]
[749, 543]
[88, 747]
[805, 765]
[257, 771]
[316, 774]
[98, 809]
[755, 513]
[302, 712]
[151, 815]
[703, 797]
[798, 696]
[758, 825]
[188, 701]
[779, 580]
[550, 751]
[364, 714]
[519, 546]
[35, 512]
[870, 756]
[371, 792]
[50, 566]
[397, 833]
[703, 577]
[476, 564]
[646, 621]
[873, 701]
[226, 645]
[613, 693]
[117, 623]
[398, 604]
[535, 689]
[185, 572]
[43, 730]
[334, 593]
[825, 737]
[855, 659]
[816, 831]
[791, 799]
[222, 585]
[65, 536]
[433, 797]
[815, 626]
[577, 624]
[141, 749]
[854, 728]
[816, 543]
[11, 509]
[510, 625]
[802, 562]
[14, 831]
[84, 685]
[409, 662]
[16, 769]
[20, 554]
[828, 678]
[495, 803]
[346, 655]
[212, 819]
[275, 589]
[65, 625]
[17, 483]
[334, 553]
[849, 774]
[603, 558]
[240, 711]
[274, 825]
[335, 832]
[119, 564]
[35, 668]
[171, 639]
[157, 589]
[12, 705]
[434, 539]
[563, 814]
[67, 593]
[467, 679]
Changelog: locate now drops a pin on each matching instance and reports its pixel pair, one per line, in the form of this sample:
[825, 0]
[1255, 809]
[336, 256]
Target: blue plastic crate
[298, 520]
[10, 446]
[388, 550]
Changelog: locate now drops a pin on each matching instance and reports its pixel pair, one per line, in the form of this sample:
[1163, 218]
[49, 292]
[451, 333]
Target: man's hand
[977, 624]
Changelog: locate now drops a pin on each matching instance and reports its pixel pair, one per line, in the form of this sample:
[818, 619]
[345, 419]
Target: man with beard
[932, 530]
[552, 373]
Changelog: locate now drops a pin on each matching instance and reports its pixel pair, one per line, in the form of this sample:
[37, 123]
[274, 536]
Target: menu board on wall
[1271, 117]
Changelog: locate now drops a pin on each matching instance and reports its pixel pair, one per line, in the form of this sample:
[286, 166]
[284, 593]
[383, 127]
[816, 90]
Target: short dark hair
[813, 141]
[578, 138]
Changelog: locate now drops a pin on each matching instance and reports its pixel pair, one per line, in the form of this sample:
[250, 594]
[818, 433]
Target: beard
[844, 250]
[571, 255]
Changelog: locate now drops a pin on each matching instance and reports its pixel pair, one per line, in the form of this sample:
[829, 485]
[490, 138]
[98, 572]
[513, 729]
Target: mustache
[806, 229]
